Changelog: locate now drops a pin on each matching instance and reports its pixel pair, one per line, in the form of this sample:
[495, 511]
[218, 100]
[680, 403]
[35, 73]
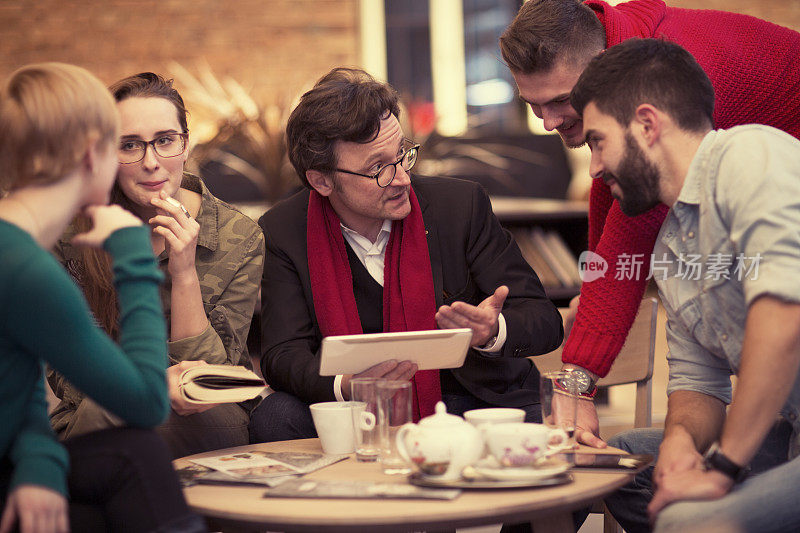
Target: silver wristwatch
[587, 386]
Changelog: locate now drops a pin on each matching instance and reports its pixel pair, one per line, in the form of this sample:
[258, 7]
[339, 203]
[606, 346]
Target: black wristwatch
[714, 459]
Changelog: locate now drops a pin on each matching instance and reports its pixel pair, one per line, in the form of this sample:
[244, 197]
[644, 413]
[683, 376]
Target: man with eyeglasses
[368, 249]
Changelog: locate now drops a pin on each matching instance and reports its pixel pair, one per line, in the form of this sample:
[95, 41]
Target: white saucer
[489, 468]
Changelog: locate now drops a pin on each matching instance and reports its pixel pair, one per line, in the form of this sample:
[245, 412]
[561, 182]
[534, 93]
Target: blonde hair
[49, 114]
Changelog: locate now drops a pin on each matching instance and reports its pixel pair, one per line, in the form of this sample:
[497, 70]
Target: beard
[638, 179]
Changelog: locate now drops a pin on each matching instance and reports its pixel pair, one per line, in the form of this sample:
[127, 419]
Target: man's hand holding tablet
[391, 370]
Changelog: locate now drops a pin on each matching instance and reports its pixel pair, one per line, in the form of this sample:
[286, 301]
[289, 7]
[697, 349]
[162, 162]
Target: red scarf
[408, 299]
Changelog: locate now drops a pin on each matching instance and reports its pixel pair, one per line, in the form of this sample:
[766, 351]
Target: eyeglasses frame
[414, 146]
[183, 135]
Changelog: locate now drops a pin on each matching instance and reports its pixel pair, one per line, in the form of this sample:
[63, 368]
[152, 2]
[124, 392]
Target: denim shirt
[737, 217]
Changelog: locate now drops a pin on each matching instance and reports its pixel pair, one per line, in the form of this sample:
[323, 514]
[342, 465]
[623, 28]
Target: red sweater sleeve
[608, 305]
[755, 69]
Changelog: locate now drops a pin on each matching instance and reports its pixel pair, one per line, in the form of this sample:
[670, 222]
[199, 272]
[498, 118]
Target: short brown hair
[347, 104]
[647, 71]
[49, 113]
[548, 30]
[150, 85]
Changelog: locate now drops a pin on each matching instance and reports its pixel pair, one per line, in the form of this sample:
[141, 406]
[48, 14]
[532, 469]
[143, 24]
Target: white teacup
[522, 444]
[494, 415]
[334, 423]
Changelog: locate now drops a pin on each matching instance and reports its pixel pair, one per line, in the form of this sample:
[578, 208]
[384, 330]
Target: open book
[205, 384]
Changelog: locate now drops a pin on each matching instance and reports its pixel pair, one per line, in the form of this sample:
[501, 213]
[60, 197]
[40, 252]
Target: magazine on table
[191, 475]
[215, 477]
[259, 467]
[312, 488]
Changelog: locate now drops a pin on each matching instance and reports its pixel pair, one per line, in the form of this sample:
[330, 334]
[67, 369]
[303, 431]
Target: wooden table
[244, 509]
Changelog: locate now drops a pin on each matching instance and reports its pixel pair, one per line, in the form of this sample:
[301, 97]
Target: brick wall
[275, 46]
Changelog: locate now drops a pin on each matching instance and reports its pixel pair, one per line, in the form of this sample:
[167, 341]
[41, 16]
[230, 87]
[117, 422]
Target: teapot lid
[441, 418]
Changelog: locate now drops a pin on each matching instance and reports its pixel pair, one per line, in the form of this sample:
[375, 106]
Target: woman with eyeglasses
[211, 254]
[58, 134]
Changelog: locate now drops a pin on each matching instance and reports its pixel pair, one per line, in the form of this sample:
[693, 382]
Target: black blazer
[471, 255]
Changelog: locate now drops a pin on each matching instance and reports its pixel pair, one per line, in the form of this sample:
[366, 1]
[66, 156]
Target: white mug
[522, 444]
[334, 423]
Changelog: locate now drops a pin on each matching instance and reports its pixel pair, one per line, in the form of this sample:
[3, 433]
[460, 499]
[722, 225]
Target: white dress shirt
[372, 254]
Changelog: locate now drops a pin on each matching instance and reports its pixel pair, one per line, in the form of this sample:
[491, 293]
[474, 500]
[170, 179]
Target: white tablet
[351, 354]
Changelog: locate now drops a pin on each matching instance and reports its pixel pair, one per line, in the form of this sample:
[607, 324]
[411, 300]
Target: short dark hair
[346, 104]
[652, 71]
[150, 85]
[546, 30]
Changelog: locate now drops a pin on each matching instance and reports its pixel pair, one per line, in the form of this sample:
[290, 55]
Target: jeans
[767, 501]
[121, 480]
[222, 426]
[281, 416]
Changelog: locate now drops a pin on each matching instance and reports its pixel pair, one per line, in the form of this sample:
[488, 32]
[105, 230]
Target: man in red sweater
[755, 69]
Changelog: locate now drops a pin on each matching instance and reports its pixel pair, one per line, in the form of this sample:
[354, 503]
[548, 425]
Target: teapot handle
[400, 440]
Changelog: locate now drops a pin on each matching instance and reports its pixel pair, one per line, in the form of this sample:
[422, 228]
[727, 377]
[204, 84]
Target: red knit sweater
[755, 69]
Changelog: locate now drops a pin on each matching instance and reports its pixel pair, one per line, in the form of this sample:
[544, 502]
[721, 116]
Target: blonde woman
[58, 134]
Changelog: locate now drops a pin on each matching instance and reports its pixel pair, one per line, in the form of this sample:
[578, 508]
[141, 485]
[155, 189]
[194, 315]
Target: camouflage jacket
[229, 262]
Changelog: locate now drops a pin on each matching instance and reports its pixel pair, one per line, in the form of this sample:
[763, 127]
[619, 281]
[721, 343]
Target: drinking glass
[558, 392]
[365, 418]
[394, 410]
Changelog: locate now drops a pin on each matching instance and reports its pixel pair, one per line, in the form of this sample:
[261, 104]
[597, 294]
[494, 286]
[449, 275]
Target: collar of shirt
[692, 189]
[371, 254]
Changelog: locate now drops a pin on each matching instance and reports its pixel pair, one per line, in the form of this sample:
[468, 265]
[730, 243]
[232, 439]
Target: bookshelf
[551, 235]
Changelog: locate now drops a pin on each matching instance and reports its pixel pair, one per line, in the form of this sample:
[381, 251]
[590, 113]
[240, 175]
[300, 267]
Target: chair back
[634, 364]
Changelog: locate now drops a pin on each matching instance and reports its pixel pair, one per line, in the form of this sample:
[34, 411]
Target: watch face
[583, 380]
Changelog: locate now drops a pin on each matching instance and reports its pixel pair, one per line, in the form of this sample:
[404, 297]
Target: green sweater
[44, 318]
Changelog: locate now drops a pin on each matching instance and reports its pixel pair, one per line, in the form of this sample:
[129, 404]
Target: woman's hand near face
[176, 399]
[35, 509]
[106, 219]
[180, 235]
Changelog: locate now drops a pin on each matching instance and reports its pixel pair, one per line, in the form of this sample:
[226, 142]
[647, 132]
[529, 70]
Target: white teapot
[440, 445]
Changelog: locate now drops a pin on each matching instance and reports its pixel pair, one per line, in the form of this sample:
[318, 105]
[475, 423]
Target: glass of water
[394, 410]
[365, 418]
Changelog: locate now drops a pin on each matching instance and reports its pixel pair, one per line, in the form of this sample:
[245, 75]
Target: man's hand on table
[391, 369]
[587, 425]
[481, 319]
